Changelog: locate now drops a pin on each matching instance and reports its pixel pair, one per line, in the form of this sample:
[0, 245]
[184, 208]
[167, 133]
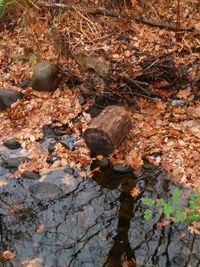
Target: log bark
[108, 130]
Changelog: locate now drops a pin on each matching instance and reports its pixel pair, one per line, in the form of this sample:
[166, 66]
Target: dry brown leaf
[184, 94]
[135, 192]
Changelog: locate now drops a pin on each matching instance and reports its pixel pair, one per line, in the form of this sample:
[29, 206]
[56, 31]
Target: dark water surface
[66, 220]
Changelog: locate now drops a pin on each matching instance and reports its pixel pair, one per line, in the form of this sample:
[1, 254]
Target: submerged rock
[52, 159]
[68, 141]
[13, 163]
[45, 76]
[121, 168]
[7, 97]
[69, 170]
[52, 146]
[12, 144]
[45, 191]
[103, 163]
[48, 132]
[30, 175]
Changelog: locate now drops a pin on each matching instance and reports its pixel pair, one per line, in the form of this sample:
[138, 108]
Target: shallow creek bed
[89, 222]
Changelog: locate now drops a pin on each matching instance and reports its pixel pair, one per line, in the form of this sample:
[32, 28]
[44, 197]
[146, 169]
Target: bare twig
[105, 12]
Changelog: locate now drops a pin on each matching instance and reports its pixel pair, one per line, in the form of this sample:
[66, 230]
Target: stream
[70, 221]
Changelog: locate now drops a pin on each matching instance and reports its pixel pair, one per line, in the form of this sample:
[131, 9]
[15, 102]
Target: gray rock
[69, 170]
[45, 76]
[7, 97]
[48, 132]
[52, 159]
[103, 163]
[121, 168]
[52, 147]
[12, 144]
[45, 191]
[68, 141]
[30, 175]
[13, 163]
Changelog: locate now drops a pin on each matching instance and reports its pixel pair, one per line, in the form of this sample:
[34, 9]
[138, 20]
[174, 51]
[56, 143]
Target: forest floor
[152, 70]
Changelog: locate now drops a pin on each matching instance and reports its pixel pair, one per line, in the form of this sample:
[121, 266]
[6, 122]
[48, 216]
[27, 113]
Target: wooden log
[108, 130]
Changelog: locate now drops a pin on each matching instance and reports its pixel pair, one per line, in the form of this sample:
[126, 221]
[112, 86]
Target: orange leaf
[8, 255]
[135, 191]
[40, 228]
[133, 2]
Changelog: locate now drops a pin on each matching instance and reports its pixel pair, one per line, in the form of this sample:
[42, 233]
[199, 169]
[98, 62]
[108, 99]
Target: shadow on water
[121, 249]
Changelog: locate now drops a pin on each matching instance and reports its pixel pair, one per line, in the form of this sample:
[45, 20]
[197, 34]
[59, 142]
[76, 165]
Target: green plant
[2, 7]
[174, 208]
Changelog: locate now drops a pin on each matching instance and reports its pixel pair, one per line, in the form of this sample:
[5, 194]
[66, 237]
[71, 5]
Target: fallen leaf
[135, 192]
[3, 182]
[8, 255]
[40, 228]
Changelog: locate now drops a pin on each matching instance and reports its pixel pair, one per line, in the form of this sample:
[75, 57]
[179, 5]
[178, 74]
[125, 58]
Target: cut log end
[98, 141]
[107, 130]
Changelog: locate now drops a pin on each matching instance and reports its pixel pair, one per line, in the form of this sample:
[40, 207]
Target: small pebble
[121, 168]
[13, 163]
[48, 132]
[52, 159]
[69, 171]
[52, 147]
[104, 162]
[12, 144]
[30, 175]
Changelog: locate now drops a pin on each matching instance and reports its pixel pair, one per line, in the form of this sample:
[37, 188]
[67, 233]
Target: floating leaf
[8, 255]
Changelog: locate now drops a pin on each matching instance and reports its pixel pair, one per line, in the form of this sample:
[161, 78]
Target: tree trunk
[108, 130]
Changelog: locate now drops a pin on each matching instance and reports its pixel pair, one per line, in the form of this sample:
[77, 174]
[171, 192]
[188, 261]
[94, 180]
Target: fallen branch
[105, 12]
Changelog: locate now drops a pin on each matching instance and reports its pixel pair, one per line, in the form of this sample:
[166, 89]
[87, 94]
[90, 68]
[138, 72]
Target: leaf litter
[165, 131]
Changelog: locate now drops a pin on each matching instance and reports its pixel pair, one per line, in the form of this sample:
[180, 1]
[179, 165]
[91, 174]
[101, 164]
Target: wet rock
[12, 144]
[69, 170]
[30, 175]
[52, 159]
[48, 132]
[13, 163]
[178, 260]
[51, 147]
[45, 76]
[68, 141]
[45, 191]
[103, 163]
[81, 99]
[7, 97]
[25, 83]
[121, 168]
